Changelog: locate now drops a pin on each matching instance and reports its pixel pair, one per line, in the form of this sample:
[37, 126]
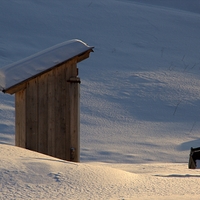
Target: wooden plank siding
[60, 112]
[32, 115]
[74, 119]
[20, 118]
[51, 113]
[47, 113]
[43, 113]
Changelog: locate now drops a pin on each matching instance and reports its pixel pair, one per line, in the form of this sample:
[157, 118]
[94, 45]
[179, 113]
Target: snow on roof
[17, 72]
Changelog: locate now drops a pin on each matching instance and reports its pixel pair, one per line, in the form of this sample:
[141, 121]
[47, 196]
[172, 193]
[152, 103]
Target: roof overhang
[18, 73]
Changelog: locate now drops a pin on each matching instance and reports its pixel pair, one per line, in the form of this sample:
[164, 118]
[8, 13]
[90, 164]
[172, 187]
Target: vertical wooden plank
[74, 113]
[71, 71]
[17, 119]
[75, 120]
[51, 113]
[67, 71]
[20, 119]
[60, 112]
[43, 114]
[32, 115]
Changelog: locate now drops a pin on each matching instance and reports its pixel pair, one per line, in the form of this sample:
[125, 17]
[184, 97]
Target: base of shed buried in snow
[47, 99]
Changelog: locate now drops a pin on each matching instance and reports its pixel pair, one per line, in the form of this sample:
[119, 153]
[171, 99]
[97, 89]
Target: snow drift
[139, 98]
[26, 174]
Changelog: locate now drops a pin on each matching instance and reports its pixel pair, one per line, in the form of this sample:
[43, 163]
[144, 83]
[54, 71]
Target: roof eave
[21, 85]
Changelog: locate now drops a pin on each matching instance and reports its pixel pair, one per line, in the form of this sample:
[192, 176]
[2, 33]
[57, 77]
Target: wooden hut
[46, 88]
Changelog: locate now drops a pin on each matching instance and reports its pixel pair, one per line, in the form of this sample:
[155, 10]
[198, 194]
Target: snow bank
[140, 90]
[29, 175]
[139, 98]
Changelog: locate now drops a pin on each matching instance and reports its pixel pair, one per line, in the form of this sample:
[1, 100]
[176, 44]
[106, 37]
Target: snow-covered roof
[22, 70]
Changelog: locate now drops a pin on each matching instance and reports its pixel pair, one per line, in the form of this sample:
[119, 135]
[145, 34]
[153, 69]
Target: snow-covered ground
[29, 175]
[140, 99]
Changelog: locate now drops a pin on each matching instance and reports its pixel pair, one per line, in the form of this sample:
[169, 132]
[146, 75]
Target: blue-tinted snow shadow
[6, 139]
[148, 99]
[154, 109]
[186, 6]
[179, 176]
[7, 129]
[145, 99]
[109, 157]
[6, 134]
[187, 145]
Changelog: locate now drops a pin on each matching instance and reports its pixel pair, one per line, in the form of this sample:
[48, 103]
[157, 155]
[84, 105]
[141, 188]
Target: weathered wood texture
[74, 116]
[20, 118]
[32, 115]
[47, 113]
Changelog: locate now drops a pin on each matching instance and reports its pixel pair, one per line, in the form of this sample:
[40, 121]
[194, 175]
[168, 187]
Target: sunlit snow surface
[29, 175]
[139, 91]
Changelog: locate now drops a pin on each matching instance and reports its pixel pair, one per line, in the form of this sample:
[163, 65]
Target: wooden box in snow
[46, 87]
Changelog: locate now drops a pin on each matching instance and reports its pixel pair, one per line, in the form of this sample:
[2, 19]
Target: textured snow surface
[29, 175]
[17, 72]
[140, 99]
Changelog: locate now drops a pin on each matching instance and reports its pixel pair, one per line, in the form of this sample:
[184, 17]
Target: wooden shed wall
[47, 113]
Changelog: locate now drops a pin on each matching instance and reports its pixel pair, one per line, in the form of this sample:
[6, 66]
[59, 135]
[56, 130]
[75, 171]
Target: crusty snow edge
[19, 71]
